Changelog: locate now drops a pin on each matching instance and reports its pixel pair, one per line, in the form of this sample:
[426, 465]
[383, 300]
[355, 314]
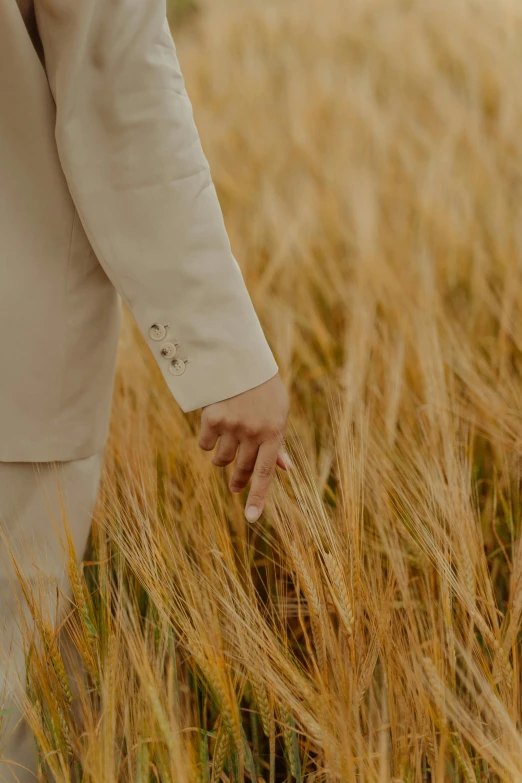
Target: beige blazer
[106, 195]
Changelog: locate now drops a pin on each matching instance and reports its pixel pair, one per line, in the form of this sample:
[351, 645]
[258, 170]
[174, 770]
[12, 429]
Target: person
[106, 197]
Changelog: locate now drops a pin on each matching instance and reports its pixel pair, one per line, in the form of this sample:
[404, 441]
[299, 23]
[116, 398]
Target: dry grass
[367, 154]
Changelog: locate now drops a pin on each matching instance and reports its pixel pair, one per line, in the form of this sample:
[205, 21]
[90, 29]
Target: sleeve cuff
[205, 374]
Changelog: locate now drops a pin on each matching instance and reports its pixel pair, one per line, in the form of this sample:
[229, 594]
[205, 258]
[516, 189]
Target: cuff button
[157, 332]
[168, 350]
[177, 367]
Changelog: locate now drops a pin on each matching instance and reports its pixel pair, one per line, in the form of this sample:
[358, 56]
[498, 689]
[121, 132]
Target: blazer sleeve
[141, 184]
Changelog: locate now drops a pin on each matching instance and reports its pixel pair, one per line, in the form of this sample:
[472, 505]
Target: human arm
[141, 184]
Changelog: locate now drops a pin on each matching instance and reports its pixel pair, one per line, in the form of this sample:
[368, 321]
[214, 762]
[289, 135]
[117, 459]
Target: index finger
[264, 470]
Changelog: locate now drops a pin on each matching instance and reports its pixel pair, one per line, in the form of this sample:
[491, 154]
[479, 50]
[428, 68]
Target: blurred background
[368, 161]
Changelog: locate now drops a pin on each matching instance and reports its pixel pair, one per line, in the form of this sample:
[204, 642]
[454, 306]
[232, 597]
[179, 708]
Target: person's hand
[253, 424]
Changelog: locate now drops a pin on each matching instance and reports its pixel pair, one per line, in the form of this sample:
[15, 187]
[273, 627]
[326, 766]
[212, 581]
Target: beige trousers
[32, 496]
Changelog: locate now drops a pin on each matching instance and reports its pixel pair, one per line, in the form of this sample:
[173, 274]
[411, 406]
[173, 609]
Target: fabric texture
[106, 197]
[32, 499]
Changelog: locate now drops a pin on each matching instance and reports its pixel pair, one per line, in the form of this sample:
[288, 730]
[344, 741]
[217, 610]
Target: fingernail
[288, 462]
[252, 513]
[235, 491]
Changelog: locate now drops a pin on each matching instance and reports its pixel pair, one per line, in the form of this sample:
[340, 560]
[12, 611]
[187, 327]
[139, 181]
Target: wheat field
[368, 159]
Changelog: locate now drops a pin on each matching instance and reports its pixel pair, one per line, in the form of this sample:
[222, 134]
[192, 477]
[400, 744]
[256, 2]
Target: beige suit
[31, 496]
[106, 195]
